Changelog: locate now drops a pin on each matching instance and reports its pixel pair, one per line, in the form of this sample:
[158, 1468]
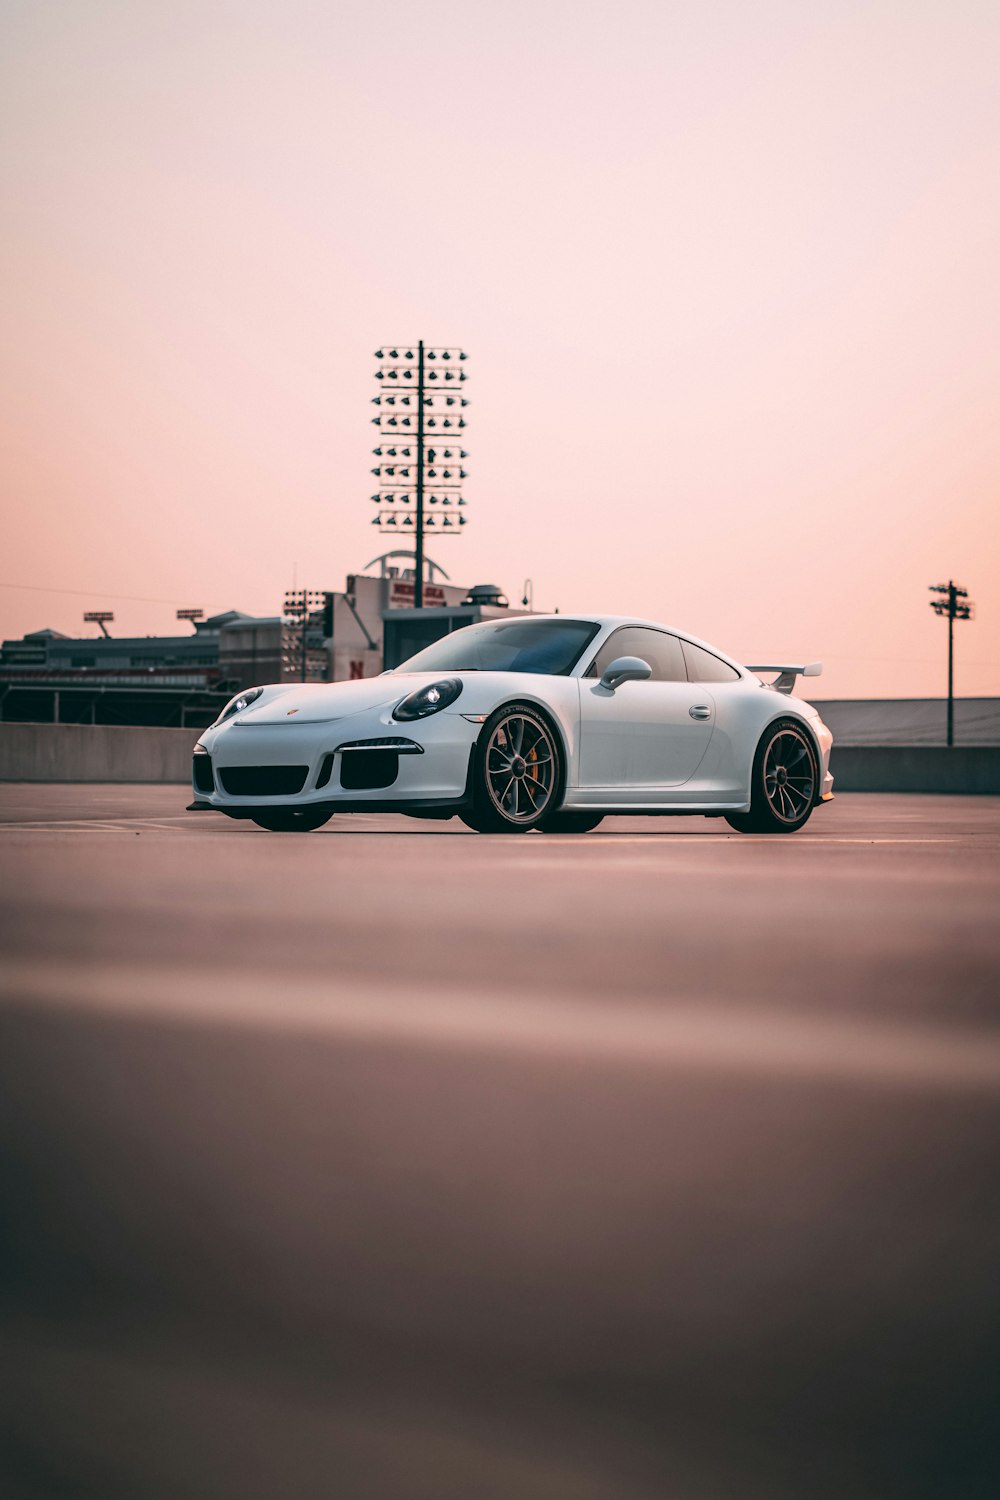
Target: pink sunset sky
[727, 272]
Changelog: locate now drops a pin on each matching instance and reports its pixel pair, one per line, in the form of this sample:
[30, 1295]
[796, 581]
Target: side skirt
[679, 810]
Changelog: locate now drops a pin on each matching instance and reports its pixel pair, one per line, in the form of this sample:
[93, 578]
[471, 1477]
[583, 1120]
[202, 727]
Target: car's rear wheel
[517, 773]
[782, 783]
[291, 819]
[570, 822]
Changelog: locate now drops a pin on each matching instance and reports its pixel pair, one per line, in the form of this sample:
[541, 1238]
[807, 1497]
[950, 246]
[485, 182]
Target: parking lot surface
[392, 1160]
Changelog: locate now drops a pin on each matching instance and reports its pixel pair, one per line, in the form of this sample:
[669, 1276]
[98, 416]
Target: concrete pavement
[392, 1160]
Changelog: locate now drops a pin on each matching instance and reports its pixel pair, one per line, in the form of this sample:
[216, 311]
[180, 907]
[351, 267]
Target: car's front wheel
[517, 772]
[782, 783]
[291, 819]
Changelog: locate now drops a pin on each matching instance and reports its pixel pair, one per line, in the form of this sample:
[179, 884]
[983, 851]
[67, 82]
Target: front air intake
[365, 770]
[202, 773]
[263, 781]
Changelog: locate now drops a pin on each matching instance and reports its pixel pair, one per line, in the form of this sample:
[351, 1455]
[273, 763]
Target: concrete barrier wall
[85, 752]
[95, 752]
[916, 768]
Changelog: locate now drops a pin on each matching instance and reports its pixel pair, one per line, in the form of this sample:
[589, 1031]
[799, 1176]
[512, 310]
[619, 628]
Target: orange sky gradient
[727, 274]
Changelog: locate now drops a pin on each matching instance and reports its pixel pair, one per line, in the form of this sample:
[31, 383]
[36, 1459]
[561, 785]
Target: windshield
[549, 646]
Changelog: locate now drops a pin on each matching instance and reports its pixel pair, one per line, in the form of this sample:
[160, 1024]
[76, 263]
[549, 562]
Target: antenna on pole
[949, 604]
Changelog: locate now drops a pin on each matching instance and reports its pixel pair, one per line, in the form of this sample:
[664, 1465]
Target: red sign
[402, 592]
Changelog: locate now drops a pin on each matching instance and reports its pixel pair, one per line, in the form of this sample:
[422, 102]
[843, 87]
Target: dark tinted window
[704, 667]
[660, 650]
[549, 646]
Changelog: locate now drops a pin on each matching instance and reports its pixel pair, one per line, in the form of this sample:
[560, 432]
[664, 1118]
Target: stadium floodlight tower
[951, 604]
[301, 634]
[420, 455]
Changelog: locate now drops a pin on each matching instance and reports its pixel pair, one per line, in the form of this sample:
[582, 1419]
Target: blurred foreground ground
[391, 1162]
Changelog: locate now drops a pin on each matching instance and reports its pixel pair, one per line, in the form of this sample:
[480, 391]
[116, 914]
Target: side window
[662, 651]
[704, 667]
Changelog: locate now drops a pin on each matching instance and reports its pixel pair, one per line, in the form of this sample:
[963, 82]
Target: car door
[644, 737]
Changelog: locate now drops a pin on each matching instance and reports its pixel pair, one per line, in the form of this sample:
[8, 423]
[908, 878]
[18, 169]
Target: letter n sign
[357, 669]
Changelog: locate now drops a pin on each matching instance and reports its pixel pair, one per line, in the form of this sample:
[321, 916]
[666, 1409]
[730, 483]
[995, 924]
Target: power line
[912, 660]
[37, 588]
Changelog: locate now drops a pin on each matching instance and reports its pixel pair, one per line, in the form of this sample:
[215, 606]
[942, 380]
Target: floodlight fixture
[414, 369]
[100, 617]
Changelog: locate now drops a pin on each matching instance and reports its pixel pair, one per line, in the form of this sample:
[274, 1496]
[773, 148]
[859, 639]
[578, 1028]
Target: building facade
[183, 681]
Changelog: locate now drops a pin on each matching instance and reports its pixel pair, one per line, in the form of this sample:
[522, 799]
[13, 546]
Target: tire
[783, 781]
[290, 819]
[570, 821]
[517, 771]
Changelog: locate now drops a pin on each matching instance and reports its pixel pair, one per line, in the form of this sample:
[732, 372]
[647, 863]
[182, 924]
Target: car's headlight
[238, 704]
[428, 700]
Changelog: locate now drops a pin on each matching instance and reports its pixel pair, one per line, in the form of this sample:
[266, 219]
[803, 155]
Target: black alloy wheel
[517, 773]
[783, 782]
[291, 819]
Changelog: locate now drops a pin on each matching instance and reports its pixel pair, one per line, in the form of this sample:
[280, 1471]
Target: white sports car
[537, 721]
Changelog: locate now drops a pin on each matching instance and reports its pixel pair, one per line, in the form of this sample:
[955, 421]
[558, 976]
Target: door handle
[700, 711]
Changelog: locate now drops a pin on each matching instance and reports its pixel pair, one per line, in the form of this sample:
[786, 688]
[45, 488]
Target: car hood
[321, 702]
[316, 703]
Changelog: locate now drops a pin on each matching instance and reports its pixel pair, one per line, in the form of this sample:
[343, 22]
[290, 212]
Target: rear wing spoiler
[785, 680]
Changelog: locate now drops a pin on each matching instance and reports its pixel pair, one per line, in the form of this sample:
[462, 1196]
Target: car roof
[587, 619]
[614, 621]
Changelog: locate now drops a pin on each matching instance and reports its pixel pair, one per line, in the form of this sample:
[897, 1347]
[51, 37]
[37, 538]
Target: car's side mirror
[625, 669]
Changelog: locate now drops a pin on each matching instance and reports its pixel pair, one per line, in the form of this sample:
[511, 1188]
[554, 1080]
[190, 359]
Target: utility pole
[429, 379]
[949, 604]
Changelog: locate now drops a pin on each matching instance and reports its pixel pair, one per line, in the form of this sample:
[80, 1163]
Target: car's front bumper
[432, 775]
